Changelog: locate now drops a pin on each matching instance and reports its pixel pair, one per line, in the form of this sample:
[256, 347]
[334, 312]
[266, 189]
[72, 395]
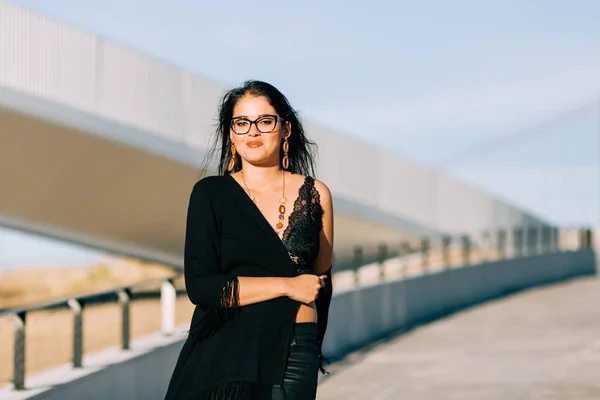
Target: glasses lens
[240, 126]
[266, 124]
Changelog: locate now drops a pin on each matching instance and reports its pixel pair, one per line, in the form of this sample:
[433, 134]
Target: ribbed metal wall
[56, 62]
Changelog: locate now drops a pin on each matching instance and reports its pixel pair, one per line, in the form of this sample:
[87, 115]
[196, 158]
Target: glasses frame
[277, 119]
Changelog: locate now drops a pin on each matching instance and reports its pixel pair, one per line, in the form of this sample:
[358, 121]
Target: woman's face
[259, 130]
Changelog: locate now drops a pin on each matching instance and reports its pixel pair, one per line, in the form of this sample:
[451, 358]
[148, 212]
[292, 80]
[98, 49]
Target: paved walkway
[540, 344]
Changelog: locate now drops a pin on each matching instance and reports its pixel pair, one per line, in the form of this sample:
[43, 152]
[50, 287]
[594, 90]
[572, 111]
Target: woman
[258, 254]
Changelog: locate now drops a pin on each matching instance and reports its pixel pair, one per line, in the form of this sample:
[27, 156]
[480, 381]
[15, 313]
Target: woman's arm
[323, 266]
[303, 288]
[323, 262]
[206, 285]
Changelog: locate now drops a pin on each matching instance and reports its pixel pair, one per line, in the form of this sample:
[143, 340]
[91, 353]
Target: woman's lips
[254, 144]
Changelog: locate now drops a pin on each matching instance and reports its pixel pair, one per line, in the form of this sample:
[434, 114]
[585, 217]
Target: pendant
[282, 202]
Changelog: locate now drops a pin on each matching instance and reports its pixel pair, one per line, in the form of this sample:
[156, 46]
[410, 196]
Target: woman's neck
[264, 178]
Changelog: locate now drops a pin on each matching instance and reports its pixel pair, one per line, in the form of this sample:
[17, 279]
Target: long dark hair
[300, 152]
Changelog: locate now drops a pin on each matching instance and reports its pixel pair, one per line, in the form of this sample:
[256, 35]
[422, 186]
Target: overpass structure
[101, 145]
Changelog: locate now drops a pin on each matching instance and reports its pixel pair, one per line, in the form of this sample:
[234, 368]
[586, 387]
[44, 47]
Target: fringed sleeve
[322, 303]
[213, 291]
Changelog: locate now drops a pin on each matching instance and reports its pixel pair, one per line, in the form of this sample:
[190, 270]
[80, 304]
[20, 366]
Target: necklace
[282, 201]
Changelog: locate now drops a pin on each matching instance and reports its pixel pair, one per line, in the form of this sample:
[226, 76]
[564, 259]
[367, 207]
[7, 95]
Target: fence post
[544, 239]
[382, 256]
[585, 241]
[77, 309]
[425, 244]
[466, 249]
[532, 240]
[518, 241]
[556, 239]
[501, 243]
[404, 254]
[358, 260]
[486, 248]
[19, 322]
[446, 242]
[124, 300]
[168, 297]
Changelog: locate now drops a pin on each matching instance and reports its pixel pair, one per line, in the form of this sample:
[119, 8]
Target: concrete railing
[363, 311]
[361, 316]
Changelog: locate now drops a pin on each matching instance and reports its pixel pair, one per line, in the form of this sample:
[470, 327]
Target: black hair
[300, 152]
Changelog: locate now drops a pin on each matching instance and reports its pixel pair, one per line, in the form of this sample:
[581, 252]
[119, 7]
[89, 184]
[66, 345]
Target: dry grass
[49, 333]
[21, 287]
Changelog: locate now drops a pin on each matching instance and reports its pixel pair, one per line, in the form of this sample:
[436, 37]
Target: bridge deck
[540, 344]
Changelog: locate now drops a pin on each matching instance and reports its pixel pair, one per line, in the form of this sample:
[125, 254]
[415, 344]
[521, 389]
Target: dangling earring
[232, 159]
[285, 162]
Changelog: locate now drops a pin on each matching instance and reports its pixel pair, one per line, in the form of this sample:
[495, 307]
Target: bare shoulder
[324, 195]
[323, 189]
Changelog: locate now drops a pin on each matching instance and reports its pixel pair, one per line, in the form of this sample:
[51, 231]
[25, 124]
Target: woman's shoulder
[322, 188]
[310, 180]
[319, 185]
[210, 186]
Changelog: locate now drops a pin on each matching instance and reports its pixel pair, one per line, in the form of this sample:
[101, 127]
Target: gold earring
[285, 162]
[232, 159]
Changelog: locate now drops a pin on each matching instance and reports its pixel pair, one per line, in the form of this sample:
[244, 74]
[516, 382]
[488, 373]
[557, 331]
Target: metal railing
[416, 257]
[123, 295]
[433, 254]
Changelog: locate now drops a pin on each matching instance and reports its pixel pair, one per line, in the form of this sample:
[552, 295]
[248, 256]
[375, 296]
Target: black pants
[301, 373]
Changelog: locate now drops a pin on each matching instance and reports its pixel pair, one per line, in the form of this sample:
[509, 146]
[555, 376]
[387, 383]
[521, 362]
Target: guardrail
[124, 297]
[429, 253]
[410, 258]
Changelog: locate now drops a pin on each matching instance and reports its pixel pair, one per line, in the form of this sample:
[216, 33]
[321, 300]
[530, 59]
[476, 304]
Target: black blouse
[233, 352]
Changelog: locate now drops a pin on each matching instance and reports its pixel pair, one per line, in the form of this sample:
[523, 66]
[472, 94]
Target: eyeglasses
[264, 124]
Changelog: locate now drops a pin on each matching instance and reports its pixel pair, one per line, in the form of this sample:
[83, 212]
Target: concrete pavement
[540, 344]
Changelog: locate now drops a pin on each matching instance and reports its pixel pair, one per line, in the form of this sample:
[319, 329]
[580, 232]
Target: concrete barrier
[360, 317]
[357, 318]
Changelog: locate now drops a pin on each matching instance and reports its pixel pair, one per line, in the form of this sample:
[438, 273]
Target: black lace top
[301, 237]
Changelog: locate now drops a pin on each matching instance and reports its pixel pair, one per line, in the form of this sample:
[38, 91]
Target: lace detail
[301, 237]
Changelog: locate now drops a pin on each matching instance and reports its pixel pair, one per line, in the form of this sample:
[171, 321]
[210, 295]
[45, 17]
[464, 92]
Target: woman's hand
[304, 288]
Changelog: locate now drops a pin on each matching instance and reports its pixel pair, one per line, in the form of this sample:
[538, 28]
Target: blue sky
[441, 82]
